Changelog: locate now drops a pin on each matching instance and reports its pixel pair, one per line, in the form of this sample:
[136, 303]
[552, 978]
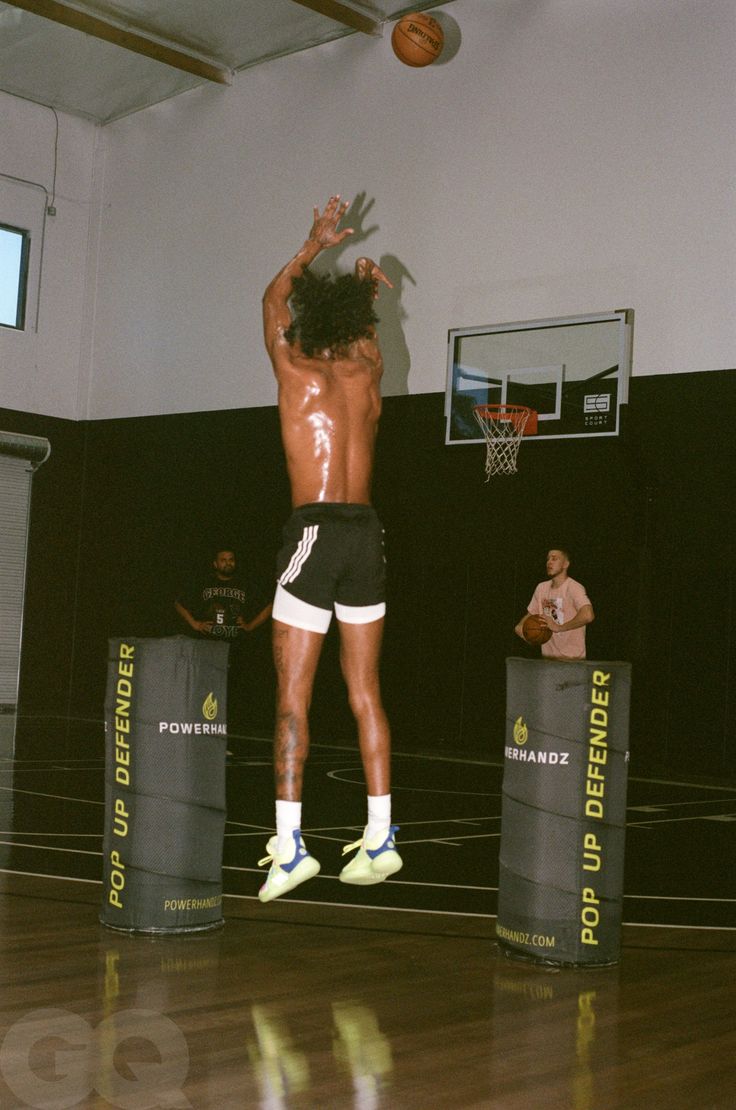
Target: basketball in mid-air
[535, 630]
[417, 39]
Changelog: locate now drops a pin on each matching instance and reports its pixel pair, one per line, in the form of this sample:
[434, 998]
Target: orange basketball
[534, 630]
[417, 39]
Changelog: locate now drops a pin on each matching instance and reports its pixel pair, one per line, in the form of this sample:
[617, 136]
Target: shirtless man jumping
[320, 335]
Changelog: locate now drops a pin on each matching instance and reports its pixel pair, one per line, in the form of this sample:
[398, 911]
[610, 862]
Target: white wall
[44, 368]
[573, 156]
[570, 156]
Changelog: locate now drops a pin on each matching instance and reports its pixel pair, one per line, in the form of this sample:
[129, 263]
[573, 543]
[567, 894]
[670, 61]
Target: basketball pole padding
[165, 752]
[563, 822]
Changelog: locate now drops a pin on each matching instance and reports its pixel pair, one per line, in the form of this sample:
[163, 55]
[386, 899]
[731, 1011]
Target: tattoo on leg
[292, 744]
[278, 652]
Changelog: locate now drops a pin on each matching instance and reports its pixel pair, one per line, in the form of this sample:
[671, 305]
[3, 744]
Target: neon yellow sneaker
[375, 861]
[285, 874]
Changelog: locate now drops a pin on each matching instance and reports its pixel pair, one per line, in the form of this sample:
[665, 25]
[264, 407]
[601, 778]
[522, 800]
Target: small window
[14, 244]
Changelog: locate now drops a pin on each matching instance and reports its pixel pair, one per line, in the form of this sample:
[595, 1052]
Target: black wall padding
[165, 746]
[564, 810]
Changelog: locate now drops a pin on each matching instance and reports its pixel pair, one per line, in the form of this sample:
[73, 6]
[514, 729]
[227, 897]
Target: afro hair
[330, 312]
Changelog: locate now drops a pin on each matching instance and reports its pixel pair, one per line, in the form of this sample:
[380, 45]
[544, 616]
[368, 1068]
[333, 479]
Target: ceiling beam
[343, 12]
[128, 40]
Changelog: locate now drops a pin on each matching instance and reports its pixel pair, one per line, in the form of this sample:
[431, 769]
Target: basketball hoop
[503, 426]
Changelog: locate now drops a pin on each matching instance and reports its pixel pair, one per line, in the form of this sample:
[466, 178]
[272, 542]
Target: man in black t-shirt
[216, 606]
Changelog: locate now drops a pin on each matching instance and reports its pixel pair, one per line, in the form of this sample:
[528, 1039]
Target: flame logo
[209, 707]
[521, 732]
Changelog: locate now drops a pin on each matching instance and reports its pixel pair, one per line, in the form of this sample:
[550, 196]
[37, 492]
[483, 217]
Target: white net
[503, 427]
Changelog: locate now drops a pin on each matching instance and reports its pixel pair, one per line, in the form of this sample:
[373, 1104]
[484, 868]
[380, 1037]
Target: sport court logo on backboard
[209, 707]
[521, 732]
[596, 402]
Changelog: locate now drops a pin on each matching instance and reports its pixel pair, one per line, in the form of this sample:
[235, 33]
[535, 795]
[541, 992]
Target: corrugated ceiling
[75, 71]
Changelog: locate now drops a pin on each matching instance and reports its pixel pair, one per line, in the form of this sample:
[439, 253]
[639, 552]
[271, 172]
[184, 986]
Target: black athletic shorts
[332, 556]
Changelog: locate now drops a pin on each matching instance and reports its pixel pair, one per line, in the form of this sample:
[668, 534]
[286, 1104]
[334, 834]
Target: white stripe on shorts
[302, 553]
[299, 614]
[360, 614]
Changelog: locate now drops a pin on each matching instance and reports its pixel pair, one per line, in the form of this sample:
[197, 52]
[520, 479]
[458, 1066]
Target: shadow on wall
[391, 316]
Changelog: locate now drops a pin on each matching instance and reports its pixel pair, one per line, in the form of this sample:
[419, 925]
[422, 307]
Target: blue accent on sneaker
[389, 844]
[371, 865]
[284, 875]
[300, 852]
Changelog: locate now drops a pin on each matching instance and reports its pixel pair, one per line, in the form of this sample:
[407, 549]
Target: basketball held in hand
[535, 630]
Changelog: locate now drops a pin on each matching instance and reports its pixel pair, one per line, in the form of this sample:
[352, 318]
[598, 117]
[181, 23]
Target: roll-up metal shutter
[19, 457]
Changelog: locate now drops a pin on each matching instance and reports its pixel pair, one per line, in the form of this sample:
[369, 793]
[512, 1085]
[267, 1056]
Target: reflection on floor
[344, 1008]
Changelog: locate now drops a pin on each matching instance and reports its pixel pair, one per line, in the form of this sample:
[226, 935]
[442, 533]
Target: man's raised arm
[323, 234]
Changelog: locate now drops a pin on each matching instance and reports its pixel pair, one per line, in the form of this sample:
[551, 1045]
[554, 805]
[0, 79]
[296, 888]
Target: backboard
[573, 371]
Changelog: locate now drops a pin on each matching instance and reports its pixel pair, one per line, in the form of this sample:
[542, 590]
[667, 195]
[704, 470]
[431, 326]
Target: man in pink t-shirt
[564, 605]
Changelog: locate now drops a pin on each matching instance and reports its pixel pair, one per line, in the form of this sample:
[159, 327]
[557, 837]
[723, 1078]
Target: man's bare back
[329, 401]
[329, 409]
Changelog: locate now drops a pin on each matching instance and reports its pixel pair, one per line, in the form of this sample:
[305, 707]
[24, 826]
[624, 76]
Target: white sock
[379, 815]
[288, 818]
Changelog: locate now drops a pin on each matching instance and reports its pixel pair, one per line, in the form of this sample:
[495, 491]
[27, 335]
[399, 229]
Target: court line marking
[31, 832]
[644, 825]
[341, 771]
[386, 882]
[446, 839]
[501, 766]
[660, 806]
[47, 718]
[485, 889]
[48, 848]
[56, 797]
[388, 909]
[312, 830]
[259, 830]
[430, 758]
[353, 751]
[675, 820]
[100, 723]
[689, 785]
[395, 882]
[491, 889]
[47, 765]
[44, 875]
[443, 841]
[702, 928]
[429, 790]
[363, 906]
[254, 898]
[485, 916]
[676, 898]
[436, 758]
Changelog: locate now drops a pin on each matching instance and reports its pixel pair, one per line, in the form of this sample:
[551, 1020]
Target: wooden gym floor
[386, 997]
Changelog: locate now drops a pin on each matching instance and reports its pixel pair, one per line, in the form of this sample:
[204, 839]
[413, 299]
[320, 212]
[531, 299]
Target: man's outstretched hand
[324, 228]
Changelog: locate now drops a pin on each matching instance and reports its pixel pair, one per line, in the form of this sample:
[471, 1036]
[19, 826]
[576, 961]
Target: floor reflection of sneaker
[361, 1047]
[286, 872]
[281, 1067]
[376, 859]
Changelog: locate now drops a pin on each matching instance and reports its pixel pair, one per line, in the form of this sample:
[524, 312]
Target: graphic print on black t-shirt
[221, 602]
